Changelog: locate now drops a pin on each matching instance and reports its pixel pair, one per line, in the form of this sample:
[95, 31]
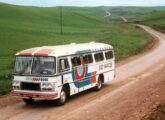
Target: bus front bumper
[35, 95]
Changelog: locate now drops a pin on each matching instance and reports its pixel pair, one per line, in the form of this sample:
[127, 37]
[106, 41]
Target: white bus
[56, 72]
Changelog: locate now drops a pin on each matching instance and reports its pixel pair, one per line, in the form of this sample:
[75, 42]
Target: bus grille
[30, 86]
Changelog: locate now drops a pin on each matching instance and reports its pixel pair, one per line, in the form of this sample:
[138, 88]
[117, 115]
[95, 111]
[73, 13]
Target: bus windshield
[43, 65]
[23, 64]
[26, 65]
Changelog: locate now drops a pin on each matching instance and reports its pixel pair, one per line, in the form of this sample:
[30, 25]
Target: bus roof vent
[73, 44]
[92, 42]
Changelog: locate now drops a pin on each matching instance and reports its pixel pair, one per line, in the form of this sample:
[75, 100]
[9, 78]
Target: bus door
[66, 76]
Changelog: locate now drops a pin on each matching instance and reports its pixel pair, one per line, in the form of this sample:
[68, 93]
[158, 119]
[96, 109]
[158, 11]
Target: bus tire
[28, 101]
[63, 98]
[99, 84]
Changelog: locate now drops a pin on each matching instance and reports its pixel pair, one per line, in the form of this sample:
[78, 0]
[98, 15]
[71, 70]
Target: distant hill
[131, 12]
[156, 20]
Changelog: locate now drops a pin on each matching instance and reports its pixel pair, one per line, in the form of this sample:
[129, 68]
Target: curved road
[107, 14]
[130, 96]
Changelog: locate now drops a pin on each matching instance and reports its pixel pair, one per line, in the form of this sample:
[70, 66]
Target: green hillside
[156, 20]
[25, 27]
[130, 12]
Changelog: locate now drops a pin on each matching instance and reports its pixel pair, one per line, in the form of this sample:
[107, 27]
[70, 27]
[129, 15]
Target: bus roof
[63, 50]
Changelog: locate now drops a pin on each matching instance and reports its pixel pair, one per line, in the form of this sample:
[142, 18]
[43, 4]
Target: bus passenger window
[90, 59]
[99, 57]
[87, 59]
[109, 55]
[64, 64]
[76, 61]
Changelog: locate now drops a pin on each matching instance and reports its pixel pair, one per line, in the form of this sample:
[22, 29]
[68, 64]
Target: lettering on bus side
[36, 79]
[108, 65]
[101, 67]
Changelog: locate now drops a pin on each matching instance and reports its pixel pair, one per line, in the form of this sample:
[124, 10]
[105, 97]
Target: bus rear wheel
[63, 98]
[99, 84]
[29, 101]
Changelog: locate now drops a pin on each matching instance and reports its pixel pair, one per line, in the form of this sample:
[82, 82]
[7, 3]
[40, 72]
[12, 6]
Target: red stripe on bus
[93, 78]
[35, 95]
[43, 52]
[80, 77]
[27, 52]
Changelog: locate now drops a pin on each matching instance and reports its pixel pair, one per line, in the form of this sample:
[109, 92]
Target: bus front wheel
[63, 98]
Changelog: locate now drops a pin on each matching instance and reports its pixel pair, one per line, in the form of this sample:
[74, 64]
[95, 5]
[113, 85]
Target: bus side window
[109, 55]
[87, 58]
[64, 65]
[99, 57]
[76, 61]
[90, 59]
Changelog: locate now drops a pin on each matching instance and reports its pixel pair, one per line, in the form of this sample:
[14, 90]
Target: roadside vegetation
[157, 114]
[26, 27]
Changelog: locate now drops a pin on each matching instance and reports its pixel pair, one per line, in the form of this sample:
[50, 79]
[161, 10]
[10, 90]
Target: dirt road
[107, 14]
[137, 89]
[123, 18]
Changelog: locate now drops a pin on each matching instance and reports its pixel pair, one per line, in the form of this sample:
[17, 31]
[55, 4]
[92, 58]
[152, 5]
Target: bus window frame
[112, 54]
[75, 56]
[97, 53]
[91, 56]
[59, 65]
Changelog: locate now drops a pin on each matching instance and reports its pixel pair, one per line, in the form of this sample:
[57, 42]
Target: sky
[50, 3]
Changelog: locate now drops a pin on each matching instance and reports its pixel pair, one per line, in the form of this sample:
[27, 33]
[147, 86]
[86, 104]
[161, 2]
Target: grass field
[25, 27]
[156, 20]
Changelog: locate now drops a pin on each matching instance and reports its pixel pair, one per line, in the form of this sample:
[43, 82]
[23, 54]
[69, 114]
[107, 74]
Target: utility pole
[95, 16]
[61, 20]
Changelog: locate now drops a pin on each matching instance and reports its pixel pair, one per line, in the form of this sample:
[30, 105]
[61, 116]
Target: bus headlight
[47, 86]
[16, 85]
